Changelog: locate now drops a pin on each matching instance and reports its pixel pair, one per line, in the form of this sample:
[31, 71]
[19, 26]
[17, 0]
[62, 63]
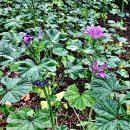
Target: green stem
[46, 54]
[50, 53]
[50, 108]
[62, 78]
[93, 47]
[38, 56]
[122, 10]
[34, 12]
[90, 114]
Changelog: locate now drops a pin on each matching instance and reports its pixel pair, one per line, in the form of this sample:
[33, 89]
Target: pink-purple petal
[91, 67]
[103, 67]
[98, 70]
[102, 74]
[95, 64]
[95, 32]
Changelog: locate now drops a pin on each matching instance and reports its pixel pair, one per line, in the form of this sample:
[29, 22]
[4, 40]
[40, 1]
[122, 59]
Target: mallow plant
[94, 41]
[43, 84]
[33, 47]
[104, 95]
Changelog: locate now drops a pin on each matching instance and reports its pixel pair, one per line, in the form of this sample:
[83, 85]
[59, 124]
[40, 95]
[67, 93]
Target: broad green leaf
[104, 87]
[122, 39]
[73, 67]
[63, 37]
[1, 73]
[78, 100]
[13, 23]
[62, 127]
[22, 121]
[90, 125]
[13, 89]
[109, 116]
[14, 67]
[113, 62]
[123, 73]
[11, 38]
[9, 53]
[88, 51]
[49, 64]
[60, 51]
[124, 98]
[74, 45]
[32, 70]
[53, 34]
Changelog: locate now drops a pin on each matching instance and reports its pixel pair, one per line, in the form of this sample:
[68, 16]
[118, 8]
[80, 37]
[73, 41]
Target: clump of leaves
[77, 99]
[27, 119]
[13, 89]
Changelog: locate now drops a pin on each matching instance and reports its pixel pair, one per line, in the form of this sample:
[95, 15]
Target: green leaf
[13, 23]
[74, 45]
[29, 69]
[13, 89]
[122, 39]
[62, 127]
[109, 116]
[113, 62]
[75, 72]
[73, 67]
[9, 53]
[90, 125]
[124, 98]
[104, 87]
[88, 51]
[49, 64]
[1, 73]
[60, 51]
[21, 121]
[6, 109]
[14, 67]
[78, 100]
[53, 34]
[123, 73]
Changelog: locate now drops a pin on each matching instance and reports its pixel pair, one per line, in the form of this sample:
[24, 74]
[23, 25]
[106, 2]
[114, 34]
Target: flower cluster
[40, 35]
[95, 32]
[40, 83]
[27, 38]
[98, 70]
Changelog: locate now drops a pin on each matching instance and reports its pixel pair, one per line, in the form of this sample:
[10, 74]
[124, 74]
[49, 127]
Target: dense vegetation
[64, 65]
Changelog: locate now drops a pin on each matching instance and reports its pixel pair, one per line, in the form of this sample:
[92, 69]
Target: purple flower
[40, 35]
[39, 83]
[95, 32]
[26, 39]
[98, 70]
[83, 44]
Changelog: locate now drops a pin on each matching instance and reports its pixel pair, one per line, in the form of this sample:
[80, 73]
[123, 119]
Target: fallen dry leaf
[26, 97]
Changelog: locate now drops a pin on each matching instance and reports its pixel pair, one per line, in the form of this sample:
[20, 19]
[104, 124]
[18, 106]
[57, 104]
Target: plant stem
[78, 118]
[50, 108]
[34, 12]
[62, 78]
[90, 114]
[38, 56]
[122, 10]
